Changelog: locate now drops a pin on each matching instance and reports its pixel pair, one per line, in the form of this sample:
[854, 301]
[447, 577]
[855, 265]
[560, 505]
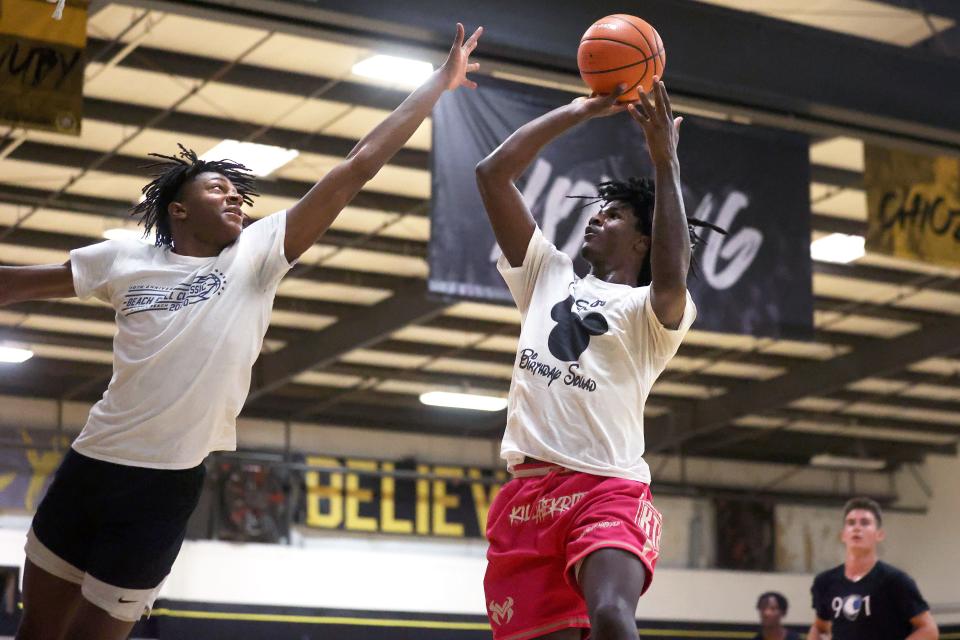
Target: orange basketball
[621, 49]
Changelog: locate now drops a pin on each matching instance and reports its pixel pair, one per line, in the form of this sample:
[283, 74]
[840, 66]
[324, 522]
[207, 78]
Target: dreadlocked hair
[640, 194]
[170, 175]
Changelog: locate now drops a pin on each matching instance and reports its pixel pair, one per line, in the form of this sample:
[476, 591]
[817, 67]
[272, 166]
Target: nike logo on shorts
[122, 601]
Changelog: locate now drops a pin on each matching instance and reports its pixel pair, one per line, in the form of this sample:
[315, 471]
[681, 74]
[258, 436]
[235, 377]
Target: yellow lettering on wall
[483, 497]
[317, 491]
[443, 501]
[42, 463]
[389, 523]
[356, 496]
[423, 501]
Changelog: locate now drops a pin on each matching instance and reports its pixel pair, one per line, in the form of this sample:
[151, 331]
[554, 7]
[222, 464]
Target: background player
[772, 607]
[865, 598]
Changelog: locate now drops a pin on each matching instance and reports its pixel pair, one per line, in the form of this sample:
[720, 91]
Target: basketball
[621, 49]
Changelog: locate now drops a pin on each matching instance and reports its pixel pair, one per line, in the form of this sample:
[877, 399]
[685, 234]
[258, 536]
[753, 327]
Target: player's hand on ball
[661, 129]
[598, 106]
[458, 64]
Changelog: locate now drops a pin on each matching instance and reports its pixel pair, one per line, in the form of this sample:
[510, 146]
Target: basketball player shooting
[574, 536]
[192, 311]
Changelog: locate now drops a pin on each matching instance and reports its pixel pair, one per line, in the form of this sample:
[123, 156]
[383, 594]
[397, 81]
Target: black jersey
[879, 606]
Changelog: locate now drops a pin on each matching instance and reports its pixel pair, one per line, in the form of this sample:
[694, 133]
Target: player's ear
[881, 534]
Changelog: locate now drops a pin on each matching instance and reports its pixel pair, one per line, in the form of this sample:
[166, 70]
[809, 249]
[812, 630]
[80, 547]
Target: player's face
[860, 530]
[612, 233]
[211, 208]
[770, 613]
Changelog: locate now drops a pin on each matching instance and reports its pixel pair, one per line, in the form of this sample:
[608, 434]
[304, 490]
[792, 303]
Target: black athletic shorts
[121, 524]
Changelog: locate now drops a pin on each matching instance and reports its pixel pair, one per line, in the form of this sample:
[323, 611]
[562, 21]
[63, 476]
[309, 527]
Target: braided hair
[170, 175]
[640, 194]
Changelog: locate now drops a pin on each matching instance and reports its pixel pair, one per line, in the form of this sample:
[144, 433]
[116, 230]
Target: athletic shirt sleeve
[264, 241]
[908, 595]
[522, 280]
[660, 343]
[91, 267]
[821, 602]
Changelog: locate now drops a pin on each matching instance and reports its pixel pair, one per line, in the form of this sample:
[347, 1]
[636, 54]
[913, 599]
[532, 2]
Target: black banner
[752, 181]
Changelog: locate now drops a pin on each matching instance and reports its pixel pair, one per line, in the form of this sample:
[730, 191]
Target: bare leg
[49, 605]
[611, 580]
[93, 623]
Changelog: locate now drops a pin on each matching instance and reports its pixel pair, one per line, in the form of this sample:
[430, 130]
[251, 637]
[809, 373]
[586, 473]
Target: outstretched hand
[661, 129]
[599, 106]
[458, 64]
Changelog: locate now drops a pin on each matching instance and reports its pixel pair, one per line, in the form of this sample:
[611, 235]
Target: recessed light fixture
[394, 69]
[848, 463]
[13, 355]
[837, 247]
[463, 401]
[261, 159]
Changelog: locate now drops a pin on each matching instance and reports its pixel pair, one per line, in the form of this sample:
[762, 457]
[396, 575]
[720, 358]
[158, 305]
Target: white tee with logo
[188, 332]
[589, 351]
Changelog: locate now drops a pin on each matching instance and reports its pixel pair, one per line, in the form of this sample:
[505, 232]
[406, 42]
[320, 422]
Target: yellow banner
[443, 500]
[913, 205]
[42, 64]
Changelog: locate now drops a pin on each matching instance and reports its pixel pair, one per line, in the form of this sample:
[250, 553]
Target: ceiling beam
[58, 155]
[408, 304]
[777, 82]
[127, 114]
[937, 338]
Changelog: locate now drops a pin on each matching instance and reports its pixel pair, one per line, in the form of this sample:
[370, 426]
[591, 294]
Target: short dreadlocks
[172, 173]
[640, 194]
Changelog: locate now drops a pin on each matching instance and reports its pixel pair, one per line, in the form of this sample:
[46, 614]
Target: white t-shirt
[188, 332]
[588, 354]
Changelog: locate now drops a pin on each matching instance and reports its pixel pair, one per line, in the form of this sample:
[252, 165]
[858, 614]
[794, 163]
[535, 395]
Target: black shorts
[119, 524]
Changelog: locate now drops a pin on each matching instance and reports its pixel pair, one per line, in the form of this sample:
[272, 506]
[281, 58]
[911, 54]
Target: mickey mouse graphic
[571, 336]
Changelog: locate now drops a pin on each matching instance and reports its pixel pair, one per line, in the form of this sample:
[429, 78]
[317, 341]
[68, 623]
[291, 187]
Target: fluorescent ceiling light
[261, 159]
[463, 401]
[14, 355]
[837, 247]
[121, 233]
[830, 461]
[393, 69]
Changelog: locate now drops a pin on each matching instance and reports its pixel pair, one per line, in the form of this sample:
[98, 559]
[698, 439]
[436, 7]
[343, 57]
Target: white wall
[446, 576]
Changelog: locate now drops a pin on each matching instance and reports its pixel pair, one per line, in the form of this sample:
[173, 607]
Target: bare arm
[670, 242]
[315, 212]
[510, 218]
[924, 627]
[18, 284]
[819, 630]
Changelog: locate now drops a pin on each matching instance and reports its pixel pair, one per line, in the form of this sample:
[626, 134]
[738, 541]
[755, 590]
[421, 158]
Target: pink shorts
[541, 525]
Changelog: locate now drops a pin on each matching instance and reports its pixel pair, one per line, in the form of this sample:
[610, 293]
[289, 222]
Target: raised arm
[670, 243]
[924, 627]
[315, 212]
[509, 216]
[18, 284]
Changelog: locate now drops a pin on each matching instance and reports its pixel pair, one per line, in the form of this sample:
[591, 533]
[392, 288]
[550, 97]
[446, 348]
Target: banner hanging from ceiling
[42, 65]
[913, 205]
[752, 181]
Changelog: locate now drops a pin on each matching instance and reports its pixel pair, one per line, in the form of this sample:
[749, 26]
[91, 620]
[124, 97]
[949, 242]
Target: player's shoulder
[892, 573]
[829, 576]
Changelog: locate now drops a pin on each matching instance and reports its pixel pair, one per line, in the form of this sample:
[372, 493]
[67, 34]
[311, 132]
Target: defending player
[191, 315]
